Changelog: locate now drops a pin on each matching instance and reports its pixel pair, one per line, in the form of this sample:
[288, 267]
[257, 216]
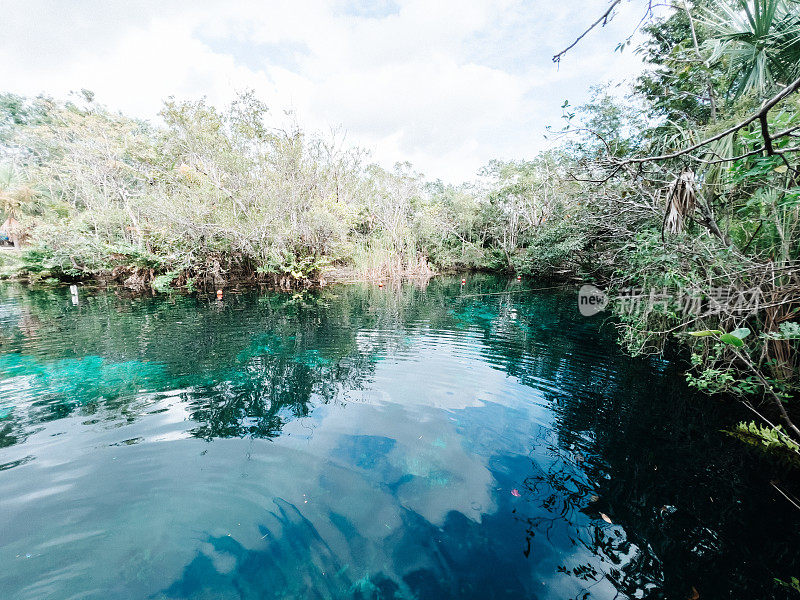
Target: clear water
[419, 442]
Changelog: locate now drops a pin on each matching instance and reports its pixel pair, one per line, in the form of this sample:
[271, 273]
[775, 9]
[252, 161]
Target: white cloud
[447, 85]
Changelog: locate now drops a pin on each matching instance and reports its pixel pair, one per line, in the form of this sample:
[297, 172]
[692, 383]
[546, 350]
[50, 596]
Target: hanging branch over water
[684, 201]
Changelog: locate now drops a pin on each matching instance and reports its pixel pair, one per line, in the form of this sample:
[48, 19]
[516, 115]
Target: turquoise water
[431, 441]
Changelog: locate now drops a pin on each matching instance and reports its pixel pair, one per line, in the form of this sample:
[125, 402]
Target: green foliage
[735, 338]
[555, 248]
[163, 283]
[767, 438]
[786, 331]
[297, 266]
[713, 64]
[792, 584]
[760, 40]
[214, 194]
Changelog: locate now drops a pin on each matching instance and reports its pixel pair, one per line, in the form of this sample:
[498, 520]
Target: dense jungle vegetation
[685, 191]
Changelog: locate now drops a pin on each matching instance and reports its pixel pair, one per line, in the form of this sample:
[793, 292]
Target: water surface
[438, 441]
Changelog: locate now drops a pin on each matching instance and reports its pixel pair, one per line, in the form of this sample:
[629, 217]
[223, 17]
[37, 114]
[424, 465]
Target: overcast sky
[447, 85]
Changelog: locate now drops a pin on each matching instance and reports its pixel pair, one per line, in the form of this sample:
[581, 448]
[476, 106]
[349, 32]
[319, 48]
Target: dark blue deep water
[426, 442]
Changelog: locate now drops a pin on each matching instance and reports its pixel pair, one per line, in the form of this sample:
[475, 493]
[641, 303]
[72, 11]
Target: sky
[447, 85]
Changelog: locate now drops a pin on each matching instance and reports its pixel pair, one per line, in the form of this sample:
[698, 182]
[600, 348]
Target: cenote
[413, 441]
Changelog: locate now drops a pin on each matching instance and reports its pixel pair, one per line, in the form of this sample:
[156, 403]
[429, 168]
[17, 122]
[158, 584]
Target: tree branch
[761, 115]
[765, 134]
[604, 19]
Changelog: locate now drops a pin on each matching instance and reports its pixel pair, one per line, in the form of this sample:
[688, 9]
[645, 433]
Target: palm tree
[760, 40]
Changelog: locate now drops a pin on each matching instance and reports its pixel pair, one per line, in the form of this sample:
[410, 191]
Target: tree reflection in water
[591, 436]
[690, 512]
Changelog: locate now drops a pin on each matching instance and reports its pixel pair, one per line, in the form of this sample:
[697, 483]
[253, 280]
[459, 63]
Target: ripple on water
[356, 443]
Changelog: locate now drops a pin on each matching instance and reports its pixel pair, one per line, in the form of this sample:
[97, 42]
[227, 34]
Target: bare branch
[604, 19]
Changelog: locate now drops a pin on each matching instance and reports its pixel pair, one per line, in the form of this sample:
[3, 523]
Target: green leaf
[731, 340]
[741, 333]
[705, 332]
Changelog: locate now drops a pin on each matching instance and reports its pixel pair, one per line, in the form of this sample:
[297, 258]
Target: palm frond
[760, 39]
[681, 202]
